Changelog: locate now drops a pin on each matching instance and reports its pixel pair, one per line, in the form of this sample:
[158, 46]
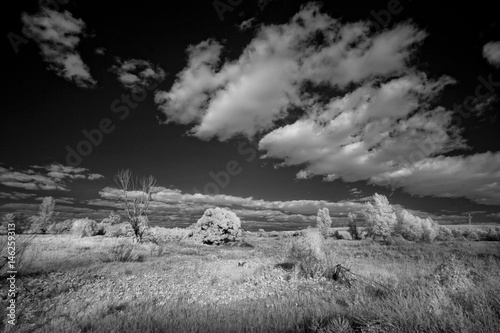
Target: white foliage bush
[414, 228]
[444, 234]
[217, 226]
[112, 219]
[163, 235]
[84, 227]
[324, 221]
[380, 217]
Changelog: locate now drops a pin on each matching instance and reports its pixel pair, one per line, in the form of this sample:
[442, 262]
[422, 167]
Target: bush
[414, 228]
[84, 227]
[308, 254]
[217, 226]
[40, 222]
[470, 234]
[163, 235]
[337, 235]
[380, 217]
[492, 235]
[60, 227]
[113, 219]
[19, 222]
[444, 234]
[324, 221]
[353, 227]
[122, 252]
[118, 230]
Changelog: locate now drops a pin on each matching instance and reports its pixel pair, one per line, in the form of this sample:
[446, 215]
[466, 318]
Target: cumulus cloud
[136, 74]
[246, 96]
[58, 34]
[491, 52]
[53, 177]
[334, 98]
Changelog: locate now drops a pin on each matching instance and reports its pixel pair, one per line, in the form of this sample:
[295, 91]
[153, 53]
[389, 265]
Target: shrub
[118, 230]
[40, 222]
[444, 234]
[19, 222]
[414, 228]
[492, 235]
[308, 254]
[112, 219]
[380, 217]
[337, 235]
[60, 227]
[163, 235]
[470, 235]
[122, 252]
[352, 226]
[429, 229]
[84, 227]
[324, 221]
[217, 226]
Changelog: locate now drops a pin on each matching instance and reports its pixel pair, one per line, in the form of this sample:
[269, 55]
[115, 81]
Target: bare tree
[136, 196]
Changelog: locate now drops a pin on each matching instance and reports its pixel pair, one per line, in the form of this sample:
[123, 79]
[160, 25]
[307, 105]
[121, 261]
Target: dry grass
[407, 287]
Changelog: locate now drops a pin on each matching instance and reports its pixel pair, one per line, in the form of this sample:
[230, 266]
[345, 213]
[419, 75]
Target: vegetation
[380, 217]
[324, 221]
[40, 222]
[281, 284]
[217, 226]
[135, 194]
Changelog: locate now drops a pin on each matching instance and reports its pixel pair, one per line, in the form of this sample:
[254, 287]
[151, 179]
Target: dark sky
[292, 105]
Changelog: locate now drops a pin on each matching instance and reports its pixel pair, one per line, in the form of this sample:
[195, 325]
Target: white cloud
[136, 74]
[366, 132]
[16, 195]
[476, 177]
[351, 105]
[248, 95]
[491, 52]
[53, 177]
[58, 34]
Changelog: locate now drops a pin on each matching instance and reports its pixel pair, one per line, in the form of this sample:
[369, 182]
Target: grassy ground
[94, 284]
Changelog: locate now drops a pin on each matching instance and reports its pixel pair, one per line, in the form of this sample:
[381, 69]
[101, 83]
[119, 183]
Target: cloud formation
[136, 74]
[248, 95]
[53, 177]
[174, 201]
[335, 98]
[58, 34]
[491, 52]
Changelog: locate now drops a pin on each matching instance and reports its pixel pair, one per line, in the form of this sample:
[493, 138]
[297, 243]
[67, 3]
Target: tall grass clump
[308, 254]
[324, 221]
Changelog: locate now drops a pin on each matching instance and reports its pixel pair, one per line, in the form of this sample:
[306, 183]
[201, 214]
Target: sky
[271, 108]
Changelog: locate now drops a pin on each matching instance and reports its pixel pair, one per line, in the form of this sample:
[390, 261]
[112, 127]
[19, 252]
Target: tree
[324, 221]
[380, 217]
[136, 196]
[353, 227]
[40, 222]
[19, 222]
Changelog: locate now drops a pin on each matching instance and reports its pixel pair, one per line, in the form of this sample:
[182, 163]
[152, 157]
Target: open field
[80, 285]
